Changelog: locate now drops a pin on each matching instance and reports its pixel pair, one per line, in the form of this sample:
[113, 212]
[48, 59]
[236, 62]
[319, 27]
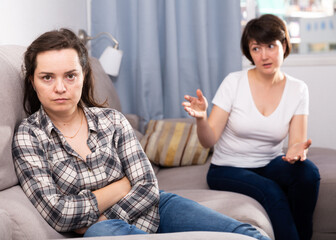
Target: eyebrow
[50, 73]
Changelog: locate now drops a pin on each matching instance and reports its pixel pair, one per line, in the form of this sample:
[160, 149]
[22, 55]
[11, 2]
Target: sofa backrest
[11, 102]
[104, 88]
[11, 98]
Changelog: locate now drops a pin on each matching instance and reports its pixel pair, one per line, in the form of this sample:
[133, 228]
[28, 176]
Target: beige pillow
[173, 143]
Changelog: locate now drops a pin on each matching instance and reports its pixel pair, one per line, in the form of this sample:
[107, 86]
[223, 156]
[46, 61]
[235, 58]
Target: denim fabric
[288, 192]
[178, 214]
[112, 227]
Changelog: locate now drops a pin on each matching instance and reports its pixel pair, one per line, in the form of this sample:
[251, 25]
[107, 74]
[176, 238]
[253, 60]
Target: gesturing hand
[297, 152]
[196, 107]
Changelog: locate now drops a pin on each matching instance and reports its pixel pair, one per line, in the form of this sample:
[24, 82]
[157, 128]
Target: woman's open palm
[297, 152]
[196, 106]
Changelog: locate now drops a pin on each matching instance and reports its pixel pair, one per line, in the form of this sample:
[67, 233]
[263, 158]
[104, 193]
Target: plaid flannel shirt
[59, 183]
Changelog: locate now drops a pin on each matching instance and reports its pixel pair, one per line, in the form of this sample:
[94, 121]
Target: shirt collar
[91, 119]
[48, 125]
[45, 121]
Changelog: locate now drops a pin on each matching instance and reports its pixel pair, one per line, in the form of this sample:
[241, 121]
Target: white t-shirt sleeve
[303, 106]
[226, 92]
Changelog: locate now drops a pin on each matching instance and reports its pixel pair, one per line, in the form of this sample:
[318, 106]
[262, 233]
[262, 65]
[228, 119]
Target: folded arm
[144, 192]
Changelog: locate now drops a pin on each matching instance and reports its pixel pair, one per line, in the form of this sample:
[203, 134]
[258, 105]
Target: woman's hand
[297, 152]
[83, 229]
[196, 107]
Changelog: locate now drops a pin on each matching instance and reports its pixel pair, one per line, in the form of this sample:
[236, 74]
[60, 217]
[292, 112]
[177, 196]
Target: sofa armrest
[5, 225]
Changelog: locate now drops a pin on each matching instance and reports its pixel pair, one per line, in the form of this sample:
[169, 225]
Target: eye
[71, 76]
[271, 45]
[255, 49]
[47, 78]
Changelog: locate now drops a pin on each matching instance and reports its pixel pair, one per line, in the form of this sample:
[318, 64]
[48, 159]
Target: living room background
[34, 17]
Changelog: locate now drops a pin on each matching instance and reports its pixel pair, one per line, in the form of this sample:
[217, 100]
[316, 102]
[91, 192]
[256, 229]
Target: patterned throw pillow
[173, 143]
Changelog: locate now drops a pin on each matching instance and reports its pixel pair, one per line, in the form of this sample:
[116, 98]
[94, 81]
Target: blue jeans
[288, 192]
[178, 214]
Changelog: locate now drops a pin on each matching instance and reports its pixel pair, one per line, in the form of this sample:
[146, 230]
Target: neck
[62, 120]
[268, 79]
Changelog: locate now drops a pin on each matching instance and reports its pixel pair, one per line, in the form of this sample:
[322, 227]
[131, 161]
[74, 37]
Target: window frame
[294, 59]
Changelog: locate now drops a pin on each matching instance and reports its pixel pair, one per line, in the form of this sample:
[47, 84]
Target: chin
[61, 109]
[270, 71]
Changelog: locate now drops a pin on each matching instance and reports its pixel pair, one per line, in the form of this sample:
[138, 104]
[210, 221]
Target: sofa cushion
[186, 177]
[5, 226]
[11, 99]
[104, 88]
[196, 235]
[173, 143]
[26, 221]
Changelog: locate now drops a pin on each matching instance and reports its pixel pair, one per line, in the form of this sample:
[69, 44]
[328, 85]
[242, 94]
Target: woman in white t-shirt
[253, 112]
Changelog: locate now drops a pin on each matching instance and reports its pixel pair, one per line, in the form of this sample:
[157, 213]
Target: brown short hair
[265, 29]
[56, 40]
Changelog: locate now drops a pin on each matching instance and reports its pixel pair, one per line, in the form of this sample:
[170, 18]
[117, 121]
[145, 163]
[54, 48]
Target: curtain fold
[171, 48]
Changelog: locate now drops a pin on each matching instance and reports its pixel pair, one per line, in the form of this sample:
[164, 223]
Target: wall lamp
[111, 57]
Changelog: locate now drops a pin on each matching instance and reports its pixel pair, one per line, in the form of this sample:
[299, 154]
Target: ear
[284, 46]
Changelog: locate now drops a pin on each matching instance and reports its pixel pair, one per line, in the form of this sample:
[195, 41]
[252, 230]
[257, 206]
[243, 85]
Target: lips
[60, 100]
[267, 65]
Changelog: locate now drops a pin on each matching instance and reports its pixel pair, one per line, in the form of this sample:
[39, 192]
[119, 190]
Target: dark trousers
[288, 192]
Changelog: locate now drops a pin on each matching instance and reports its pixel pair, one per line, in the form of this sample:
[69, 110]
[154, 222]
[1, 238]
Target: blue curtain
[170, 48]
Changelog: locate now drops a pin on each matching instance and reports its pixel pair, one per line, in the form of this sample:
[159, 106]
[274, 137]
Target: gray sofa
[20, 220]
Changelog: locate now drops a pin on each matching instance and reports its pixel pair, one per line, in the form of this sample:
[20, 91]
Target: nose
[263, 53]
[59, 86]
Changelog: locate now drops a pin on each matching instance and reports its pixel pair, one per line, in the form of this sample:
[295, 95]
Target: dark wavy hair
[56, 40]
[265, 29]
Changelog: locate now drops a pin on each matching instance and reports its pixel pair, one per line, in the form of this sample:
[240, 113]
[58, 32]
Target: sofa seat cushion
[5, 226]
[235, 205]
[186, 177]
[180, 236]
[325, 211]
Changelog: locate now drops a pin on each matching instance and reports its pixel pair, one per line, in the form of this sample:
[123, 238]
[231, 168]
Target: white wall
[21, 21]
[319, 72]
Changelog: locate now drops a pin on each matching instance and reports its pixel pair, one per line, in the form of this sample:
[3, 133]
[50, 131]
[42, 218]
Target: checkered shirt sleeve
[140, 205]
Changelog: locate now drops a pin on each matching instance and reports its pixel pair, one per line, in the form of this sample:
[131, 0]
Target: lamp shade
[111, 60]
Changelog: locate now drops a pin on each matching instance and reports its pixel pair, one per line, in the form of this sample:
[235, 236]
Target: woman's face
[58, 80]
[267, 58]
